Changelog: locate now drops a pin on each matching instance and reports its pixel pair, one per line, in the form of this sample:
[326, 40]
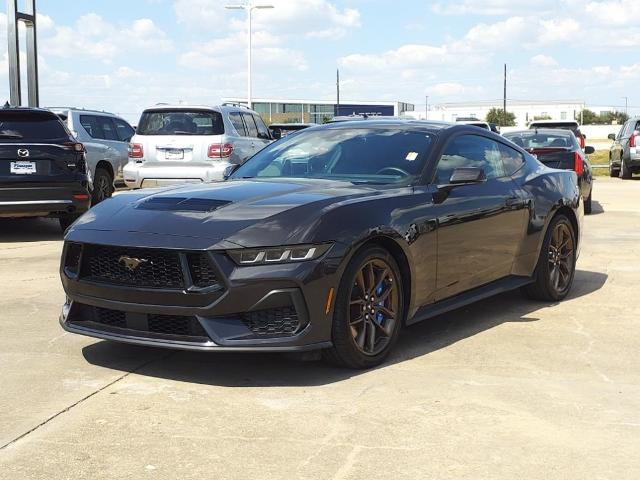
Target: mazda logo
[131, 263]
[23, 152]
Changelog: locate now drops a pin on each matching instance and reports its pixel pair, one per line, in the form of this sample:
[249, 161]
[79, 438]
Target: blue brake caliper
[379, 316]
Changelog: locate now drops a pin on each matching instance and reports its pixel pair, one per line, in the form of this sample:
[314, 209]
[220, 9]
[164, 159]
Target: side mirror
[276, 134]
[612, 136]
[229, 170]
[589, 150]
[466, 175]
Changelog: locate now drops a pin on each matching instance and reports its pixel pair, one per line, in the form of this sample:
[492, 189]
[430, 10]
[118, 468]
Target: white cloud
[543, 61]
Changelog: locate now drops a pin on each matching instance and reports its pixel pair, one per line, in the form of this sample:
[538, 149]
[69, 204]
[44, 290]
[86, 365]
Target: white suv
[178, 143]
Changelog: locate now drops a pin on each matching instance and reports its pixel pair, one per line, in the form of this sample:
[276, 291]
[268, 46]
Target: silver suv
[106, 139]
[180, 143]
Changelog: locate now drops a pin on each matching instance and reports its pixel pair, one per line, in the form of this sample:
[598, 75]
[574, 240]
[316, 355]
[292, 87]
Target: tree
[542, 117]
[587, 117]
[500, 117]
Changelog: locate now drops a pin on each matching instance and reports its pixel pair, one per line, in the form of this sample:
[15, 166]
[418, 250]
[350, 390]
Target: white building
[525, 111]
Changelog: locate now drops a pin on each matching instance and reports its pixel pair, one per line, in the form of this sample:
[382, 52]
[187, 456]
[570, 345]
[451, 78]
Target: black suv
[42, 167]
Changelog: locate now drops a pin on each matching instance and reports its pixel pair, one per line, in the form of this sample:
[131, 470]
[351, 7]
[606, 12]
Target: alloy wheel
[374, 306]
[102, 189]
[561, 257]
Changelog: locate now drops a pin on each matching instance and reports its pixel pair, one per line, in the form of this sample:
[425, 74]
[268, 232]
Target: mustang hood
[243, 212]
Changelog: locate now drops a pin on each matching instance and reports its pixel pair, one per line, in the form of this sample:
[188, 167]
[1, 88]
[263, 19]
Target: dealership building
[525, 111]
[319, 111]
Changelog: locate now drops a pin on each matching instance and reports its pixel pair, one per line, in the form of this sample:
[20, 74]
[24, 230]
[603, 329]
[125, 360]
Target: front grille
[280, 322]
[202, 271]
[175, 325]
[141, 267]
[113, 318]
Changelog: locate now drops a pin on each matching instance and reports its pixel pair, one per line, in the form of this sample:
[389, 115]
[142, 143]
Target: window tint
[123, 129]
[31, 127]
[361, 155]
[108, 128]
[90, 124]
[263, 132]
[180, 122]
[512, 160]
[251, 124]
[236, 120]
[470, 151]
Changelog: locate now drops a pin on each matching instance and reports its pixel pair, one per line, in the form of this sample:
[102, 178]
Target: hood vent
[176, 204]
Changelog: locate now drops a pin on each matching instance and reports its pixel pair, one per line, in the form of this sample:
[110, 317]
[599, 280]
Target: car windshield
[180, 122]
[358, 155]
[529, 140]
[31, 127]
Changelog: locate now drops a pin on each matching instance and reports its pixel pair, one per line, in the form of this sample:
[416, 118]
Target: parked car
[279, 130]
[178, 144]
[562, 125]
[559, 149]
[624, 155]
[105, 137]
[42, 167]
[333, 238]
[494, 127]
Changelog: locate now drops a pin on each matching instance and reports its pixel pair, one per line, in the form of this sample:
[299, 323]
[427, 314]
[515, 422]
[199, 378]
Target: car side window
[251, 124]
[263, 131]
[512, 160]
[123, 130]
[107, 127]
[470, 151]
[90, 124]
[238, 124]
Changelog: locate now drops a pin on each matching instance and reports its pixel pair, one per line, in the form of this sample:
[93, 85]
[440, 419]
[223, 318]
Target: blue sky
[124, 55]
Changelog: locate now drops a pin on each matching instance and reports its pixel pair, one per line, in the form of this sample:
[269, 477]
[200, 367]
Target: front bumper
[279, 308]
[40, 200]
[156, 174]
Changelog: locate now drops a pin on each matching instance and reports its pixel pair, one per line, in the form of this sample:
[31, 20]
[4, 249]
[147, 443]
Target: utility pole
[504, 98]
[626, 106]
[426, 108]
[249, 7]
[337, 92]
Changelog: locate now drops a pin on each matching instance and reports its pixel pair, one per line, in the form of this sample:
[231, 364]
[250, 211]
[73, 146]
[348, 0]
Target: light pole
[626, 105]
[426, 108]
[249, 7]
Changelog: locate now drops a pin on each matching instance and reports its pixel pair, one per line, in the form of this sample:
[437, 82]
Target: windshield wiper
[10, 135]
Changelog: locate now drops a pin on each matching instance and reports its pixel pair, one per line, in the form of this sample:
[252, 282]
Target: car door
[95, 146]
[264, 137]
[242, 148]
[252, 132]
[480, 225]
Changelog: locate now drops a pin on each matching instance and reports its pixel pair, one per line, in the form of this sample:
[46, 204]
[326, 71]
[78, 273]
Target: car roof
[284, 125]
[27, 110]
[393, 122]
[546, 131]
[78, 109]
[555, 122]
[212, 108]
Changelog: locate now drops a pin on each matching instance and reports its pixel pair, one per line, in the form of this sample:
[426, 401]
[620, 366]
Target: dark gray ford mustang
[333, 238]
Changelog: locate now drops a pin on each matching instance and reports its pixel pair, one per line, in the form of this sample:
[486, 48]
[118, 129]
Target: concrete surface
[505, 389]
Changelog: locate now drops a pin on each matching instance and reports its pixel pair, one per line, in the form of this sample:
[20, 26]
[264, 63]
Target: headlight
[271, 255]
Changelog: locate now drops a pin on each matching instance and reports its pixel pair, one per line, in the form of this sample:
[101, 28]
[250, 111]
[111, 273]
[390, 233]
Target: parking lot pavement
[505, 388]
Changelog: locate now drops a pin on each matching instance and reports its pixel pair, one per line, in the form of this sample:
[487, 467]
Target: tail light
[75, 146]
[220, 150]
[136, 150]
[632, 139]
[578, 165]
[582, 141]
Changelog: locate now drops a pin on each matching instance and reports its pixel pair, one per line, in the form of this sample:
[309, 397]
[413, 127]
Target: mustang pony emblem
[131, 263]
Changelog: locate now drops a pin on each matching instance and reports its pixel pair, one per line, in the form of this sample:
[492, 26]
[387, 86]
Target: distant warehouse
[319, 111]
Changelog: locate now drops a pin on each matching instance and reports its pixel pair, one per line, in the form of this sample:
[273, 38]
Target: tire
[625, 172]
[66, 221]
[587, 204]
[613, 172]
[102, 186]
[545, 287]
[351, 337]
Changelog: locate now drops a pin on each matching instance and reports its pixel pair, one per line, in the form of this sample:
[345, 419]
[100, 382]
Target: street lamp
[249, 7]
[626, 105]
